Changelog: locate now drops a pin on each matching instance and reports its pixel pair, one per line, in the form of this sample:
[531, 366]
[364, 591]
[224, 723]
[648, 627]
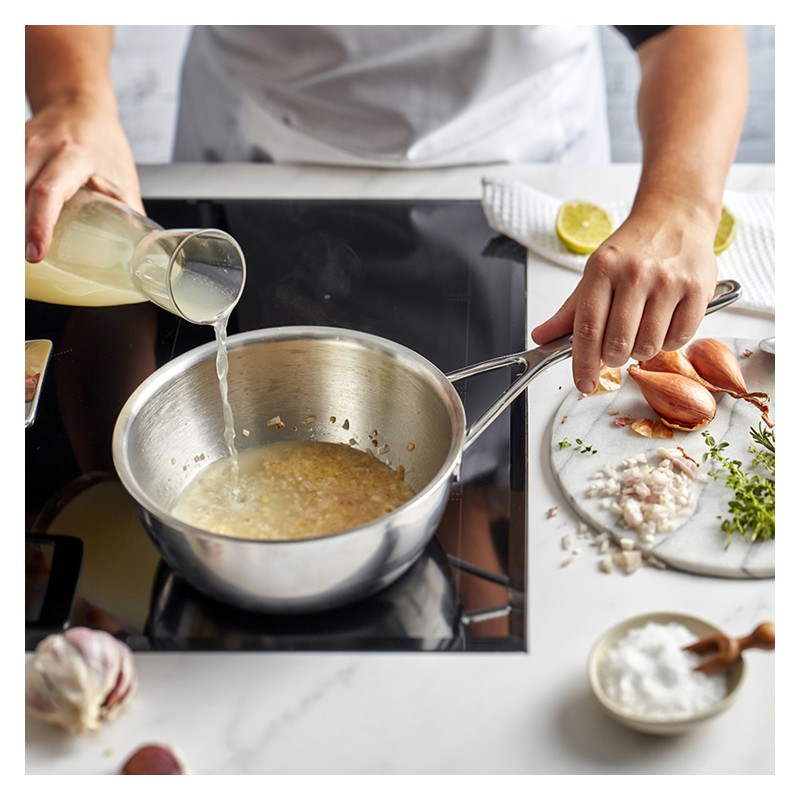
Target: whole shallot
[680, 402]
[674, 361]
[718, 366]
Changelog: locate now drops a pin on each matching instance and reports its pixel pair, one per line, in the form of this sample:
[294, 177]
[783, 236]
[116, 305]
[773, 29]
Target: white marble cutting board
[697, 544]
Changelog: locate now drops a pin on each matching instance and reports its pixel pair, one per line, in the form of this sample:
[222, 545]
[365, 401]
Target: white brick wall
[146, 66]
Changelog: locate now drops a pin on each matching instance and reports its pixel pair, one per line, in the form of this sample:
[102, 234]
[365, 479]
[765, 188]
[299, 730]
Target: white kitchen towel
[528, 216]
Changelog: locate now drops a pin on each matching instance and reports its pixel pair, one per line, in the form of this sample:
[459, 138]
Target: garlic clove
[79, 679]
[153, 759]
[680, 402]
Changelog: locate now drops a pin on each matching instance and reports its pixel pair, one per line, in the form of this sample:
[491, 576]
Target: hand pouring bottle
[104, 253]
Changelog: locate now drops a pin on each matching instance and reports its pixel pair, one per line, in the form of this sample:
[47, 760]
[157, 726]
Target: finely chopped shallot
[648, 499]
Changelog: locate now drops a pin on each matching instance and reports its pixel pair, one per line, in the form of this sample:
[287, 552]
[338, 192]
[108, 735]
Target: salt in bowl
[643, 723]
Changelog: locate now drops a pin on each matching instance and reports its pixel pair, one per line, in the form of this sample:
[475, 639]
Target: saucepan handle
[532, 362]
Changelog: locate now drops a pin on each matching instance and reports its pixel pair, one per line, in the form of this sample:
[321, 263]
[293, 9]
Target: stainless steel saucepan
[328, 384]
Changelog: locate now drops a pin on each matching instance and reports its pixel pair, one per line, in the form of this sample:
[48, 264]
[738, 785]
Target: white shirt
[399, 96]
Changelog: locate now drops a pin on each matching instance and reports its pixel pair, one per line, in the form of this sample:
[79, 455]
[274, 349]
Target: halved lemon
[726, 232]
[583, 226]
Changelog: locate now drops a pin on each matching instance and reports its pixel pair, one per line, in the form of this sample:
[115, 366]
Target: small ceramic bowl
[660, 727]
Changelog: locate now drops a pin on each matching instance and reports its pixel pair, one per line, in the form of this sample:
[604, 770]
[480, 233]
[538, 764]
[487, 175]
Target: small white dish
[660, 727]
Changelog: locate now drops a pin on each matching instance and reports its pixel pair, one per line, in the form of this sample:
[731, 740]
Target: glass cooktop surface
[430, 275]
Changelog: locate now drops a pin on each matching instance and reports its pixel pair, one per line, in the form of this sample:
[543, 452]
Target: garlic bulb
[79, 679]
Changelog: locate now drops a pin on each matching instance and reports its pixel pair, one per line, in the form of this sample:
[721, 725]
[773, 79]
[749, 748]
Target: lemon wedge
[583, 226]
[726, 232]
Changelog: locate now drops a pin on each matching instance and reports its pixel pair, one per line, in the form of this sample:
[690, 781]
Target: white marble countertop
[432, 713]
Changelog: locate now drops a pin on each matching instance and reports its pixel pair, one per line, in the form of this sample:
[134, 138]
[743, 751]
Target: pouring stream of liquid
[221, 333]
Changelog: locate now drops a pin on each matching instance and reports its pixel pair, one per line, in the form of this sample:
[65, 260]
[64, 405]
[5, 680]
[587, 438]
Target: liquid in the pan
[292, 490]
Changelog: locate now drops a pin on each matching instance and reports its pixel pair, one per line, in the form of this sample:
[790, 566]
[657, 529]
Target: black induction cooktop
[430, 275]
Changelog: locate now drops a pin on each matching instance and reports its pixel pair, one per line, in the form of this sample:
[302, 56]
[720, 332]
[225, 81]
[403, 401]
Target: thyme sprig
[752, 509]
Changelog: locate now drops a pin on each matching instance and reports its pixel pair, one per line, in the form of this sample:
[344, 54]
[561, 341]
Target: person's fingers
[686, 319]
[654, 324]
[69, 145]
[129, 194]
[612, 328]
[624, 318]
[592, 307]
[55, 183]
[37, 151]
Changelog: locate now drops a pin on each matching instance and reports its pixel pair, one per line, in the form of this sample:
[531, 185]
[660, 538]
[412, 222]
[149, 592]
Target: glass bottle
[104, 253]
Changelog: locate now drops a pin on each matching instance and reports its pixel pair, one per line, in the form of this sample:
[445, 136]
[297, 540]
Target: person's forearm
[647, 286]
[692, 105]
[65, 61]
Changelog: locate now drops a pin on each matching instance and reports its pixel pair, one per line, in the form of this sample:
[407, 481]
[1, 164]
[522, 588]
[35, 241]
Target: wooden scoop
[724, 650]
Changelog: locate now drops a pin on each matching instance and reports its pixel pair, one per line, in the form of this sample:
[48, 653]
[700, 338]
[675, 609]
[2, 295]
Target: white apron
[393, 96]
